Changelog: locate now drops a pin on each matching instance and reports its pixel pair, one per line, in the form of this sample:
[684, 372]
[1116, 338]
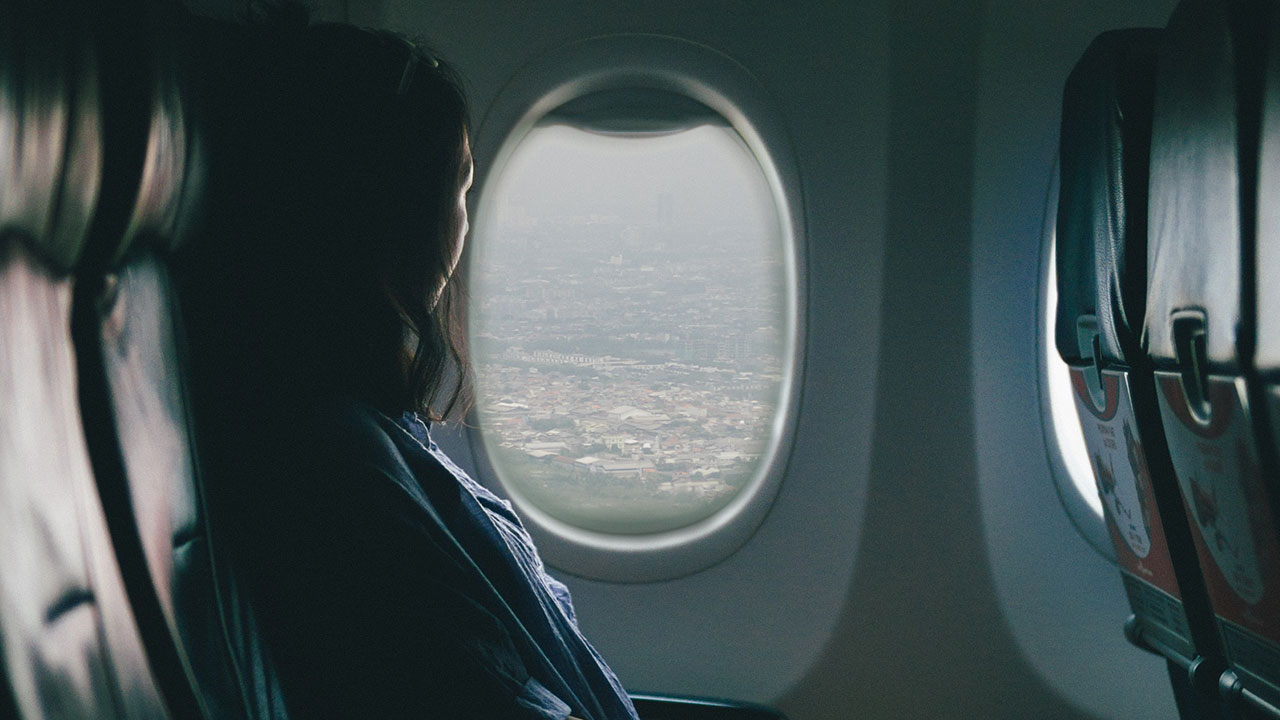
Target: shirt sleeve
[369, 613]
[560, 592]
[540, 701]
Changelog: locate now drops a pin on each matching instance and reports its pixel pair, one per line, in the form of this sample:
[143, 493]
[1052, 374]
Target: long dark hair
[344, 202]
[416, 126]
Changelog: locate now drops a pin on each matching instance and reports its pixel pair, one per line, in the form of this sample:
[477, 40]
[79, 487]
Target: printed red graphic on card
[1216, 462]
[1124, 480]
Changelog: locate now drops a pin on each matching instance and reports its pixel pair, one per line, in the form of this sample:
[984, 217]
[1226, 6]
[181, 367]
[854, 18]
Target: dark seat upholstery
[71, 646]
[112, 600]
[1102, 274]
[141, 351]
[1266, 378]
[1267, 357]
[1203, 323]
[137, 354]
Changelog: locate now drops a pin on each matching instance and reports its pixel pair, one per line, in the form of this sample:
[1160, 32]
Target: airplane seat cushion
[69, 644]
[1103, 160]
[49, 115]
[1204, 170]
[1194, 251]
[143, 362]
[195, 581]
[1267, 352]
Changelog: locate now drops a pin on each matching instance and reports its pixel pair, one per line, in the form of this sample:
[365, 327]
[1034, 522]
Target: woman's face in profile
[465, 176]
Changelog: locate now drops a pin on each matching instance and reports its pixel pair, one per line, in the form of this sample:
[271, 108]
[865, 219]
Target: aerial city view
[629, 356]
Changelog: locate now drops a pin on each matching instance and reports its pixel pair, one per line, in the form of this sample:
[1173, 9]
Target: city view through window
[628, 324]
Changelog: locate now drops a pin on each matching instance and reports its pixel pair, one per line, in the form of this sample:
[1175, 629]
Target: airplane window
[1065, 417]
[630, 323]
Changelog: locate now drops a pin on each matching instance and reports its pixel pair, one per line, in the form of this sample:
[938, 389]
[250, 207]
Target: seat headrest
[164, 208]
[95, 147]
[148, 131]
[1102, 202]
[1267, 354]
[51, 153]
[1194, 218]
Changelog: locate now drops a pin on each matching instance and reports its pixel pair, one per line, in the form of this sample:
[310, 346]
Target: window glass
[1066, 418]
[629, 324]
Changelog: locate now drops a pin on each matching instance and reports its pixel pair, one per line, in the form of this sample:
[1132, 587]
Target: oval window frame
[670, 64]
[1091, 525]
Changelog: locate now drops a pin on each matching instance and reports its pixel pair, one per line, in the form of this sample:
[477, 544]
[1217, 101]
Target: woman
[388, 583]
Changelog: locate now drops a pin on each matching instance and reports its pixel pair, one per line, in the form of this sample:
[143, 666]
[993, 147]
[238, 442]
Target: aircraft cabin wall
[915, 561]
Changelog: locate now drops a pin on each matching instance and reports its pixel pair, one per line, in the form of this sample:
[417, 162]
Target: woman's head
[357, 198]
[419, 168]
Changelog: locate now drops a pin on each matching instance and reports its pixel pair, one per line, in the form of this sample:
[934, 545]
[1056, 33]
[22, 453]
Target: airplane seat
[1267, 273]
[70, 644]
[1102, 274]
[1203, 323]
[136, 356]
[111, 602]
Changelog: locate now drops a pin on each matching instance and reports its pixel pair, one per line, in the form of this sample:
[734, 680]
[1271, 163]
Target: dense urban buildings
[627, 374]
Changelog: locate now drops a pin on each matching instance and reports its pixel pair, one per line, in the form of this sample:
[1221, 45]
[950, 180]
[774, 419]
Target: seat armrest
[669, 707]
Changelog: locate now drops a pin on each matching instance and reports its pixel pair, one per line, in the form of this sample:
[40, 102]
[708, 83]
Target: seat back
[138, 357]
[1202, 324]
[113, 601]
[1267, 269]
[1267, 274]
[71, 646]
[133, 354]
[1102, 276]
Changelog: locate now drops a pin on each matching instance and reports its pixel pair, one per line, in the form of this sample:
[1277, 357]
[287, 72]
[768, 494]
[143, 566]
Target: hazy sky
[711, 176]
